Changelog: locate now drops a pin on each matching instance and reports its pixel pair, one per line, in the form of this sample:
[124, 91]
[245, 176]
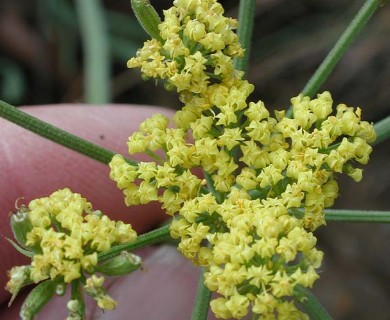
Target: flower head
[64, 237]
[268, 178]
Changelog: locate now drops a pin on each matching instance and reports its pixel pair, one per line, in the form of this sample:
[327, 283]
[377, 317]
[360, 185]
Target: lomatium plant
[248, 219]
[63, 235]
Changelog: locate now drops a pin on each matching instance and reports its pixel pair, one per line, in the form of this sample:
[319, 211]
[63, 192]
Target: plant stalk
[146, 239]
[326, 67]
[357, 216]
[202, 300]
[382, 129]
[57, 135]
[312, 306]
[246, 16]
[96, 51]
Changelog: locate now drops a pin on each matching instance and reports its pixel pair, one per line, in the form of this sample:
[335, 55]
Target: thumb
[33, 167]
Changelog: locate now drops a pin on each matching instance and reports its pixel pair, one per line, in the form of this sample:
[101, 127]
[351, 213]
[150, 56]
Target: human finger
[33, 167]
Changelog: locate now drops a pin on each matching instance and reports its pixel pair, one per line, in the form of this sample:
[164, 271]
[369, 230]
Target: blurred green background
[62, 51]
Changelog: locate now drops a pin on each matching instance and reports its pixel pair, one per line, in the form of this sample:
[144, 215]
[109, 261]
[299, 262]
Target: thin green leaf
[96, 51]
[341, 46]
[312, 306]
[357, 216]
[57, 135]
[23, 251]
[202, 300]
[246, 16]
[382, 129]
[146, 239]
[78, 295]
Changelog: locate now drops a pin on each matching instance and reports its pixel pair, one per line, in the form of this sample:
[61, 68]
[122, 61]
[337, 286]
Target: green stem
[154, 156]
[312, 306]
[96, 51]
[382, 129]
[211, 188]
[77, 294]
[146, 239]
[341, 46]
[357, 216]
[202, 300]
[57, 135]
[246, 15]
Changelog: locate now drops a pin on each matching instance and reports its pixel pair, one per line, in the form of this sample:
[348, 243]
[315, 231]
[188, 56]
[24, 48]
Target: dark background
[41, 62]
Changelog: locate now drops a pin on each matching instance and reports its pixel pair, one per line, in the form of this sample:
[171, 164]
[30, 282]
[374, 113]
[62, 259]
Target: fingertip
[33, 167]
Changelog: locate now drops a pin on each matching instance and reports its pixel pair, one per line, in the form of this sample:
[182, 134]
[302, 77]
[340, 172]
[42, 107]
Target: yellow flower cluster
[74, 245]
[94, 287]
[267, 179]
[198, 44]
[64, 236]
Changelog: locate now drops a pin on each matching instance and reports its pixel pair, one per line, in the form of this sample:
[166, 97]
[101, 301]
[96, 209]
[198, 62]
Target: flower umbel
[63, 239]
[267, 178]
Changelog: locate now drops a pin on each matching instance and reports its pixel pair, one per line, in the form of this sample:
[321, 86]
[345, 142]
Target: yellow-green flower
[63, 237]
[269, 178]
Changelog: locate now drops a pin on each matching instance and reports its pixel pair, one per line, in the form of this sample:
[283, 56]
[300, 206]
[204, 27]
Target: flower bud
[19, 277]
[147, 17]
[37, 298]
[60, 289]
[355, 173]
[21, 225]
[122, 264]
[75, 310]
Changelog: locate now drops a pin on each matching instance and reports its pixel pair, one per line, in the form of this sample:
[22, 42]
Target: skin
[33, 167]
